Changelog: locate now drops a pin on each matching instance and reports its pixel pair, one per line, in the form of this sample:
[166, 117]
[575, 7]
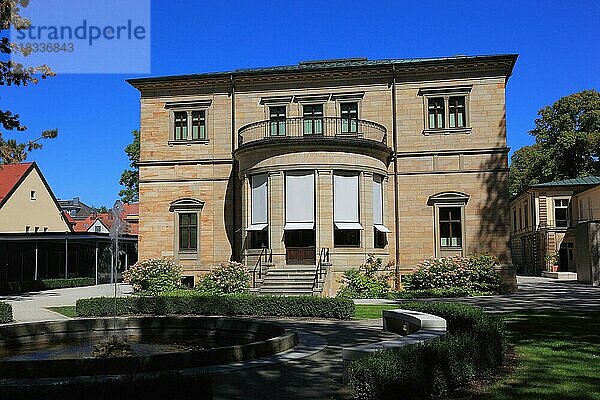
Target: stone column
[366, 210]
[276, 215]
[324, 208]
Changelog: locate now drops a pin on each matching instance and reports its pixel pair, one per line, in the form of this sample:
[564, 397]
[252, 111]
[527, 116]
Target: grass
[364, 311]
[558, 356]
[67, 311]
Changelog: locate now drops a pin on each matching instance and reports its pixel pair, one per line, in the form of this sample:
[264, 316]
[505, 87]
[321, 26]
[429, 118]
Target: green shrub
[369, 281]
[43, 284]
[230, 278]
[475, 272]
[200, 304]
[474, 346]
[6, 314]
[153, 275]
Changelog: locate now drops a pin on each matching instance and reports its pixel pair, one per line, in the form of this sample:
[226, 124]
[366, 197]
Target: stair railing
[323, 259]
[266, 254]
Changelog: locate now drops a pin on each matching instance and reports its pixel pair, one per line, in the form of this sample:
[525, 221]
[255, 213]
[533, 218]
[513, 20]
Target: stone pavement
[31, 307]
[534, 293]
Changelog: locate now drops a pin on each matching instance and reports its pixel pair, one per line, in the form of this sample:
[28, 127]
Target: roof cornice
[493, 65]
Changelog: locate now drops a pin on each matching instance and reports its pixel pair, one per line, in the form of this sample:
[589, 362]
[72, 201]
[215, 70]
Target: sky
[558, 43]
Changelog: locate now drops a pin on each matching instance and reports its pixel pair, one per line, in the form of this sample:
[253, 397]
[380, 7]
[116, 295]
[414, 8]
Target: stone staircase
[289, 280]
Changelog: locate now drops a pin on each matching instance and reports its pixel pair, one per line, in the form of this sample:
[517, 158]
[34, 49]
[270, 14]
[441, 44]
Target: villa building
[561, 218]
[302, 171]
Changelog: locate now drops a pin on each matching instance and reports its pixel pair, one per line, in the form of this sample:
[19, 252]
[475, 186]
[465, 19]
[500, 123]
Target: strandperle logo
[85, 31]
[85, 36]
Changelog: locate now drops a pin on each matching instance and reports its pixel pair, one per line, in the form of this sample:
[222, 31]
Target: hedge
[437, 293]
[261, 306]
[43, 284]
[474, 346]
[6, 314]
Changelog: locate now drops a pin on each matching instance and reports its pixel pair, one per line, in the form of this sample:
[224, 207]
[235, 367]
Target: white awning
[348, 225]
[259, 200]
[381, 228]
[345, 198]
[300, 198]
[377, 200]
[296, 226]
[256, 227]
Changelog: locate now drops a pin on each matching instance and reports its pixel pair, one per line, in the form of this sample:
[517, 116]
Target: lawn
[67, 311]
[558, 356]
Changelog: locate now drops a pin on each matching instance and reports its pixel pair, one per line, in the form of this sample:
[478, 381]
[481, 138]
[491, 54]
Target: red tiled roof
[10, 174]
[107, 219]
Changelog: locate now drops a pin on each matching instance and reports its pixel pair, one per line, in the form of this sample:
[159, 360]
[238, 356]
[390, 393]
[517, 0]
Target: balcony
[317, 130]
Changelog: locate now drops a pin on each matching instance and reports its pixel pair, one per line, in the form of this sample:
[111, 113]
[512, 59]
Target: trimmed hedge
[6, 314]
[437, 293]
[474, 346]
[43, 284]
[260, 306]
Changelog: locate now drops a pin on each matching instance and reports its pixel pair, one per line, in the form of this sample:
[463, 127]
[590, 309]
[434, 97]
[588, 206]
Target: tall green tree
[12, 73]
[130, 177]
[567, 143]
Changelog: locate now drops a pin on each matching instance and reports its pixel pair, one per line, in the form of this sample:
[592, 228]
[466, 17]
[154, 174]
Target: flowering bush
[227, 278]
[153, 275]
[370, 280]
[475, 273]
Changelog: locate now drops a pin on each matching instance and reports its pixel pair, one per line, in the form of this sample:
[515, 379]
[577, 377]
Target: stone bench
[415, 327]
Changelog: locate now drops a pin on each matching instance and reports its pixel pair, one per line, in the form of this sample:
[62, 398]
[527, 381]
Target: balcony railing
[300, 128]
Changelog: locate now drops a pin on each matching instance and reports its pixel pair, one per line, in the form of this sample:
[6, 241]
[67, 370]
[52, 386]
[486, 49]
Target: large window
[379, 229]
[561, 213]
[436, 112]
[257, 230]
[349, 115]
[345, 210]
[313, 119]
[277, 120]
[450, 221]
[188, 231]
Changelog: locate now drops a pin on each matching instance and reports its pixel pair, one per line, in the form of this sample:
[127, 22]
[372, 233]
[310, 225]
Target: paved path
[534, 294]
[31, 307]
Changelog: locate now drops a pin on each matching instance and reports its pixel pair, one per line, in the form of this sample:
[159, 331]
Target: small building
[544, 220]
[38, 239]
[76, 208]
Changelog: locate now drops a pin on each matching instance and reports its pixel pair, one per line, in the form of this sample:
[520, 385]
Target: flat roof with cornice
[501, 62]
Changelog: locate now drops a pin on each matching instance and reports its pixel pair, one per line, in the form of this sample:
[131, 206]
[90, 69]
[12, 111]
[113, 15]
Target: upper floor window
[32, 195]
[313, 119]
[277, 120]
[188, 121]
[446, 109]
[349, 115]
[456, 112]
[436, 113]
[561, 212]
[198, 124]
[97, 228]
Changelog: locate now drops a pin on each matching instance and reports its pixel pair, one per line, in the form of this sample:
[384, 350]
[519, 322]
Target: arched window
[449, 222]
[187, 226]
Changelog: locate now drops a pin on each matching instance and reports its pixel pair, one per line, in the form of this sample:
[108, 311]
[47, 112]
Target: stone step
[287, 292]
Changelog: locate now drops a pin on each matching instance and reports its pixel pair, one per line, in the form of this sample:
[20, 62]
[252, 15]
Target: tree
[567, 143]
[101, 209]
[129, 177]
[12, 73]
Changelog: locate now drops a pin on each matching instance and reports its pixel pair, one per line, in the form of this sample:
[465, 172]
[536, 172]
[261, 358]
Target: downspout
[395, 160]
[233, 172]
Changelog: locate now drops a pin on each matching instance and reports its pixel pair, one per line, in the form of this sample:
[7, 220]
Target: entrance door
[563, 257]
[300, 247]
